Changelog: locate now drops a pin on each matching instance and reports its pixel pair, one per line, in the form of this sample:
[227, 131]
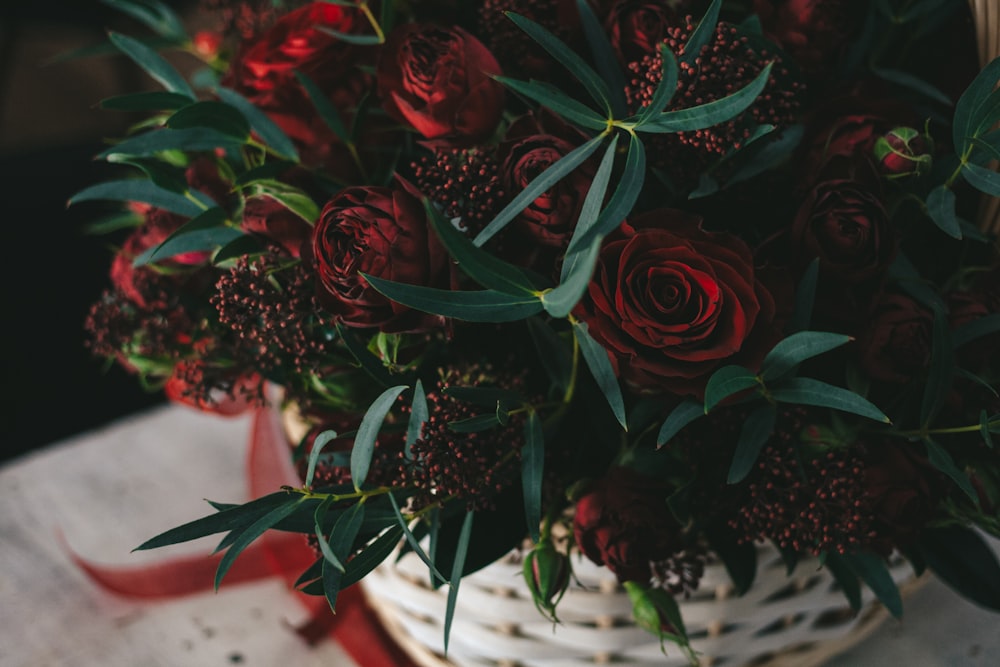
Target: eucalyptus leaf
[846, 578]
[754, 434]
[203, 233]
[682, 415]
[808, 391]
[371, 424]
[165, 139]
[532, 473]
[982, 179]
[213, 115]
[622, 200]
[665, 89]
[939, 457]
[474, 306]
[965, 562]
[150, 101]
[138, 190]
[600, 367]
[555, 100]
[874, 572]
[321, 441]
[796, 348]
[703, 33]
[239, 246]
[345, 532]
[727, 381]
[155, 15]
[458, 567]
[414, 544]
[329, 555]
[475, 424]
[419, 414]
[553, 353]
[153, 63]
[603, 55]
[370, 557]
[253, 531]
[272, 135]
[368, 361]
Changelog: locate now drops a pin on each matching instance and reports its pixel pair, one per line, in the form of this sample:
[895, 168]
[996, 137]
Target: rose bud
[903, 152]
[546, 571]
[656, 611]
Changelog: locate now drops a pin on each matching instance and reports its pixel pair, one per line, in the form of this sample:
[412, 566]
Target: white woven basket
[783, 620]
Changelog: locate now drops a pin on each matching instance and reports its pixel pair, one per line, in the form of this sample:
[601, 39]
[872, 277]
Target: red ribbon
[355, 627]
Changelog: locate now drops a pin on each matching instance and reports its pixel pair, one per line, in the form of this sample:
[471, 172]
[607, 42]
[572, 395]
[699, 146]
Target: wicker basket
[782, 621]
[986, 16]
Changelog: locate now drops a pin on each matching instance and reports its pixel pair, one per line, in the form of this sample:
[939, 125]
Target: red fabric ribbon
[355, 627]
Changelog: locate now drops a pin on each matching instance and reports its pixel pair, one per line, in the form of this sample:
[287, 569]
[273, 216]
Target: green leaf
[710, 113]
[332, 582]
[153, 63]
[939, 457]
[679, 417]
[805, 298]
[665, 89]
[213, 115]
[166, 139]
[475, 424]
[345, 532]
[292, 198]
[324, 107]
[321, 441]
[155, 15]
[247, 244]
[796, 348]
[350, 38]
[152, 101]
[483, 267]
[553, 353]
[939, 374]
[989, 114]
[969, 111]
[112, 223]
[419, 414]
[567, 58]
[807, 391]
[600, 367]
[604, 57]
[253, 531]
[984, 428]
[625, 195]
[702, 34]
[368, 361]
[368, 559]
[557, 101]
[234, 518]
[982, 179]
[205, 232]
[272, 135]
[965, 562]
[845, 576]
[475, 306]
[324, 545]
[754, 434]
[727, 381]
[414, 544]
[138, 190]
[915, 83]
[539, 185]
[458, 566]
[371, 424]
[873, 571]
[739, 557]
[532, 469]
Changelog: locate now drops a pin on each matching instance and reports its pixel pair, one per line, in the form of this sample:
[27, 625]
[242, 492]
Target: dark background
[50, 129]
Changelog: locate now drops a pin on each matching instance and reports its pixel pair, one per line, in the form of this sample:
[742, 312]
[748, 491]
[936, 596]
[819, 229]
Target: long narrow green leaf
[157, 141]
[939, 457]
[272, 135]
[604, 57]
[960, 558]
[626, 194]
[679, 417]
[555, 172]
[600, 367]
[321, 441]
[412, 541]
[483, 267]
[213, 115]
[982, 179]
[727, 381]
[939, 374]
[205, 232]
[532, 469]
[345, 531]
[368, 361]
[710, 113]
[475, 306]
[968, 110]
[419, 414]
[808, 391]
[325, 549]
[368, 559]
[155, 15]
[567, 58]
[796, 348]
[754, 434]
[665, 89]
[324, 107]
[233, 518]
[458, 566]
[846, 578]
[158, 100]
[556, 101]
[138, 190]
[153, 63]
[371, 424]
[252, 532]
[702, 34]
[874, 572]
[332, 583]
[553, 353]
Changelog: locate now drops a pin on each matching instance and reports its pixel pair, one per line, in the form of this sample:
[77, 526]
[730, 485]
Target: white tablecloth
[109, 490]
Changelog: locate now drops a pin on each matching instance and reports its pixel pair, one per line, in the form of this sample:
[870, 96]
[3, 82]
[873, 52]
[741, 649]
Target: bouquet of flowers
[646, 282]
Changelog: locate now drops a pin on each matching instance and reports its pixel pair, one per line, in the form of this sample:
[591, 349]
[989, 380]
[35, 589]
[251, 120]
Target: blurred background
[50, 129]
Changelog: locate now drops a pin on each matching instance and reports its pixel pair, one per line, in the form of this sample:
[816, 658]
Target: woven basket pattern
[783, 620]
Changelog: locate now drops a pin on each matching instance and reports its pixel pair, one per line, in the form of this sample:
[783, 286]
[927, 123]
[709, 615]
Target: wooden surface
[109, 490]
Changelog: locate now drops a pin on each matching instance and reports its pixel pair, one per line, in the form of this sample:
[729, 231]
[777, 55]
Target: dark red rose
[814, 32]
[671, 302]
[142, 285]
[382, 232]
[903, 487]
[843, 222]
[980, 299]
[623, 523]
[635, 28]
[277, 224]
[896, 347]
[530, 147]
[203, 174]
[438, 80]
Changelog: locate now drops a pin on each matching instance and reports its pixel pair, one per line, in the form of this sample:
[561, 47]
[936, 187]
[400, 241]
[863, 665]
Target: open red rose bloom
[672, 276]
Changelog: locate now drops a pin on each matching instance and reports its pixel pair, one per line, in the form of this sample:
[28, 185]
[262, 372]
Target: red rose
[438, 80]
[896, 347]
[903, 487]
[672, 302]
[277, 224]
[528, 149]
[814, 32]
[623, 523]
[382, 232]
[636, 27]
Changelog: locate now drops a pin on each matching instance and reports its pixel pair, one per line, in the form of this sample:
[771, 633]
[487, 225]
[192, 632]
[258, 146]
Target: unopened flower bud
[656, 611]
[547, 573]
[903, 151]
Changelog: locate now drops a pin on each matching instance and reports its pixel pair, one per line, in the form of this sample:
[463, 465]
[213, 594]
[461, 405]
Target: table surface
[108, 490]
